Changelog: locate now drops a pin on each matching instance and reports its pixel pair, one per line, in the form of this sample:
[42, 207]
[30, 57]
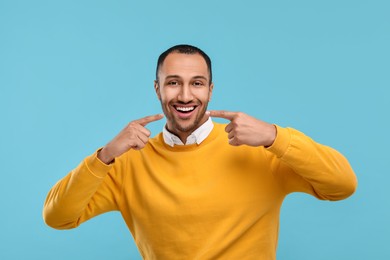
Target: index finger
[148, 119]
[222, 114]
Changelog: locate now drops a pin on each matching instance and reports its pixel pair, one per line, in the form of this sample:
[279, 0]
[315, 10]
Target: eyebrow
[177, 76]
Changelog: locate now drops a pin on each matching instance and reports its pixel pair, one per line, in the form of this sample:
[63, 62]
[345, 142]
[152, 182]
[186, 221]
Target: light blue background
[73, 73]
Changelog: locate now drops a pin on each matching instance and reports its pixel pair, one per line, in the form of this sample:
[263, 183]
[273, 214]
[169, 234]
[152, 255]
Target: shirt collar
[197, 136]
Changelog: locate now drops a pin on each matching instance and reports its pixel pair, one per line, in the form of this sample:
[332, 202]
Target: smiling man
[184, 87]
[199, 189]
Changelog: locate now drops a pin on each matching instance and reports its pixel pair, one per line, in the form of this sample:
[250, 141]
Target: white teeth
[185, 109]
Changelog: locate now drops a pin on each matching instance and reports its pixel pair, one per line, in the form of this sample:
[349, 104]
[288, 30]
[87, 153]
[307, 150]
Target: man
[198, 190]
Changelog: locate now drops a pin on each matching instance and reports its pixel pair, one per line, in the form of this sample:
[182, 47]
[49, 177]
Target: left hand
[244, 129]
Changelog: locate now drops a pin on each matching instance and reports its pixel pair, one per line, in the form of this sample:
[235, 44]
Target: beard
[184, 125]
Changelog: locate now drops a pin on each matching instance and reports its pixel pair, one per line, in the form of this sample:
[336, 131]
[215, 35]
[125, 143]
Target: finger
[136, 128]
[138, 144]
[232, 141]
[229, 128]
[143, 138]
[143, 130]
[148, 119]
[231, 135]
[222, 114]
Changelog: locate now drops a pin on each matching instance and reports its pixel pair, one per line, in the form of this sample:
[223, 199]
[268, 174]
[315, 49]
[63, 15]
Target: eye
[173, 83]
[198, 83]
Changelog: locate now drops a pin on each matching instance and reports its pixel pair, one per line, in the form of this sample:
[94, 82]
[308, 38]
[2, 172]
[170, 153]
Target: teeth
[185, 109]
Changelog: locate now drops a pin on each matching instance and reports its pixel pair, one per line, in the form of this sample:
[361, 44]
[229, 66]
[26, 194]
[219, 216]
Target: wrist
[104, 156]
[272, 136]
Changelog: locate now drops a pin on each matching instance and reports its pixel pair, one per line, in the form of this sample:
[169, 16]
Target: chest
[202, 188]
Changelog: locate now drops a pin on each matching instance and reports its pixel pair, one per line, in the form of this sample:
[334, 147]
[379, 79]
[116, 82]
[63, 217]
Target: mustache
[192, 102]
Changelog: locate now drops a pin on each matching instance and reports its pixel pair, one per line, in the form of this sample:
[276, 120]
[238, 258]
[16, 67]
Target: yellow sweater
[207, 201]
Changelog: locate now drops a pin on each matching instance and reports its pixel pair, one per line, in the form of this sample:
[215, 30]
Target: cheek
[203, 95]
[167, 94]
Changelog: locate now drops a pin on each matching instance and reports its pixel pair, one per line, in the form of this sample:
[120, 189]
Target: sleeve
[302, 165]
[87, 191]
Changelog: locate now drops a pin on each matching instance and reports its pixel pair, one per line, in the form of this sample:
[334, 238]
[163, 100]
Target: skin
[133, 136]
[246, 130]
[183, 84]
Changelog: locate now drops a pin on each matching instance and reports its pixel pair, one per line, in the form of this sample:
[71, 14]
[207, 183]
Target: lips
[184, 111]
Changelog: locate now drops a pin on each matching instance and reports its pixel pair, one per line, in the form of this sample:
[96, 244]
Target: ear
[211, 90]
[157, 89]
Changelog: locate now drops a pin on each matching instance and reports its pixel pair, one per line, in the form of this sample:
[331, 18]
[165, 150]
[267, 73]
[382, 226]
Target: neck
[183, 134]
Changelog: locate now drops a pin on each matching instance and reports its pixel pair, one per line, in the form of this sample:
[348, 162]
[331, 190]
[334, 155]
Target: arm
[300, 163]
[94, 187]
[307, 166]
[87, 191]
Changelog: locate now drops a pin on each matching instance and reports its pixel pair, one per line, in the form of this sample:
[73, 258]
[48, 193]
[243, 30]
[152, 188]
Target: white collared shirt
[197, 136]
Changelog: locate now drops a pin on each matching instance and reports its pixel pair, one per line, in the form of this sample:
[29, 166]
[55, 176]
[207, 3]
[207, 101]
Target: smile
[184, 109]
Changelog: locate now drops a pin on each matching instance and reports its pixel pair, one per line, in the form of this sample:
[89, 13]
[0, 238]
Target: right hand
[133, 136]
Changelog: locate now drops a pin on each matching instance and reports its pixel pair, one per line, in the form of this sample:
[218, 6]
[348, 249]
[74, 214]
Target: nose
[185, 94]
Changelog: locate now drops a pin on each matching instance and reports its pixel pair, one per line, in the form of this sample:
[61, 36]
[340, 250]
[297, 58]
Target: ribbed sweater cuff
[96, 167]
[282, 141]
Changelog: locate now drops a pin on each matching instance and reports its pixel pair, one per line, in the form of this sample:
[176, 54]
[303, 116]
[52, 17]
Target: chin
[184, 128]
[187, 125]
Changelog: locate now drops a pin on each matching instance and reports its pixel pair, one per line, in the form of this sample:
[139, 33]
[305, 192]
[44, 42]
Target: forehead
[184, 65]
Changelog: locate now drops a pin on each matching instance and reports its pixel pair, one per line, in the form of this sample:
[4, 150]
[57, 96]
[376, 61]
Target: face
[184, 91]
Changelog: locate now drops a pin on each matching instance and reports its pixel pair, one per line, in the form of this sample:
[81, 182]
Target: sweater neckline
[191, 147]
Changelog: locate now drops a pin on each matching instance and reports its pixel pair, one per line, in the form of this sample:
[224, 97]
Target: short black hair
[184, 49]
